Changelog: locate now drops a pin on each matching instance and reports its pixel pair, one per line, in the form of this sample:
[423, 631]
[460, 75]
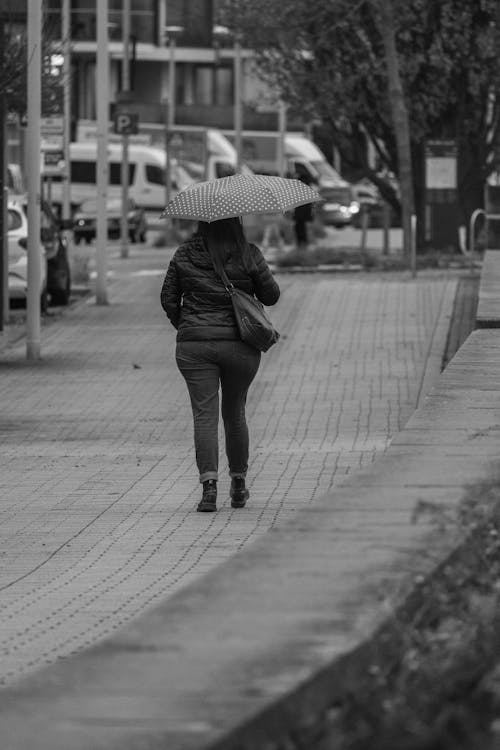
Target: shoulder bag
[254, 325]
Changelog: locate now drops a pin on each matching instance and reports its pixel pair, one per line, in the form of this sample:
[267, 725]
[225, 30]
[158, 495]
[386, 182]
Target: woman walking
[209, 352]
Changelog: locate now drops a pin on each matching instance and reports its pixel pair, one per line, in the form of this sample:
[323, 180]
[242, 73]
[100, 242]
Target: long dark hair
[225, 239]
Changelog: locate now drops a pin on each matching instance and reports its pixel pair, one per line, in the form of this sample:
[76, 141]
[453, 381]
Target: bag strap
[221, 273]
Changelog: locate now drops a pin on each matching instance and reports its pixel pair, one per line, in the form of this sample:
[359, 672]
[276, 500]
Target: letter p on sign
[126, 123]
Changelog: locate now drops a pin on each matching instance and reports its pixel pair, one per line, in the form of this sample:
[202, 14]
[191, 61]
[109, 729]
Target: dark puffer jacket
[194, 297]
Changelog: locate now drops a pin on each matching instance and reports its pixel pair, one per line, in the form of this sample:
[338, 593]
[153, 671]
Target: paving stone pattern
[97, 475]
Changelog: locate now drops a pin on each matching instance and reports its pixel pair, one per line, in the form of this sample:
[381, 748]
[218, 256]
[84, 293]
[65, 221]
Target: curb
[331, 268]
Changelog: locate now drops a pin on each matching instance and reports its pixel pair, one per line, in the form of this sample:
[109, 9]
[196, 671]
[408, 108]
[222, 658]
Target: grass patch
[369, 260]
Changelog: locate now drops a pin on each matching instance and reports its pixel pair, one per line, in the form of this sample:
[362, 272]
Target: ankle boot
[208, 502]
[239, 493]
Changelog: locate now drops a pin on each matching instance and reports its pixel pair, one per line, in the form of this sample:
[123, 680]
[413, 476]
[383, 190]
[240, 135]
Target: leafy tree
[327, 59]
[14, 68]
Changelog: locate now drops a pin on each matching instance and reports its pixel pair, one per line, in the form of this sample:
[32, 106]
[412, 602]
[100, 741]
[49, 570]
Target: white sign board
[441, 165]
[51, 126]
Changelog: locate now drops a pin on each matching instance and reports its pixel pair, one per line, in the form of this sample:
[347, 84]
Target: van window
[115, 173]
[155, 174]
[303, 173]
[83, 171]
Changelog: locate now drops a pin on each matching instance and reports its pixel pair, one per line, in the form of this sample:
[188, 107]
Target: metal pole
[281, 139]
[34, 65]
[413, 247]
[237, 103]
[4, 289]
[170, 112]
[124, 167]
[66, 186]
[102, 100]
[386, 226]
[5, 264]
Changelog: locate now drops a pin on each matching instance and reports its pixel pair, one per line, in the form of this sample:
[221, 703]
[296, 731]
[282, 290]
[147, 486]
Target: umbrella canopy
[239, 195]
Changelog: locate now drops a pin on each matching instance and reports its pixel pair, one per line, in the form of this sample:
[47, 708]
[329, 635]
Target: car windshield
[325, 169]
[338, 194]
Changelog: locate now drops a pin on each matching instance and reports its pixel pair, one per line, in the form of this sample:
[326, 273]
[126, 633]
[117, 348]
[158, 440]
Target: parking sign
[126, 123]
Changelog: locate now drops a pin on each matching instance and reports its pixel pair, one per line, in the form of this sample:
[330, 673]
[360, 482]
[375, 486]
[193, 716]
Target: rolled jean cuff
[237, 474]
[208, 475]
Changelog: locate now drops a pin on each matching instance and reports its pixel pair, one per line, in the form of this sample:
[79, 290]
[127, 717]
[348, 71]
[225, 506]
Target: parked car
[56, 275]
[85, 220]
[17, 243]
[339, 206]
[372, 203]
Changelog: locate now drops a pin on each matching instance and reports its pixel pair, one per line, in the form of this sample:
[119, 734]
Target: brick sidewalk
[98, 479]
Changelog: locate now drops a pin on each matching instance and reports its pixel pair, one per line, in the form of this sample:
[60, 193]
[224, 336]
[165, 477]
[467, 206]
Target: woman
[209, 352]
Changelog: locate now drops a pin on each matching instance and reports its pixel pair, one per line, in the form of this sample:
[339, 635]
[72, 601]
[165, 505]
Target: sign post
[102, 101]
[441, 210]
[124, 129]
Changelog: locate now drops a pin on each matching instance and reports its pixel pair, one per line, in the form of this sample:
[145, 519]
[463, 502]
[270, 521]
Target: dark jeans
[206, 365]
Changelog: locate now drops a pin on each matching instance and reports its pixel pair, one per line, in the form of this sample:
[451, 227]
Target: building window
[224, 94]
[197, 18]
[204, 85]
[213, 86]
[143, 19]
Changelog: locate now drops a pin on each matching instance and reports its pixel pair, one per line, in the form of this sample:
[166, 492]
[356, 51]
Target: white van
[301, 150]
[146, 174]
[147, 170]
[306, 161]
[339, 206]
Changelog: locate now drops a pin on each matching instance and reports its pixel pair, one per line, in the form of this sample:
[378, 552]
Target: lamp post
[34, 59]
[102, 101]
[238, 113]
[66, 188]
[125, 153]
[172, 33]
[281, 139]
[219, 34]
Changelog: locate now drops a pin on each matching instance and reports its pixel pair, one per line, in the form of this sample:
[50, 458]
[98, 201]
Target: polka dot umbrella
[239, 195]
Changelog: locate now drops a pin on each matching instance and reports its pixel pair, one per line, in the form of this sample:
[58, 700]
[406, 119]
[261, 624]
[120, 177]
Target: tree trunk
[399, 116]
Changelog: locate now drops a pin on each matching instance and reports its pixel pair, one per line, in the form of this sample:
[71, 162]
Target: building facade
[204, 64]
